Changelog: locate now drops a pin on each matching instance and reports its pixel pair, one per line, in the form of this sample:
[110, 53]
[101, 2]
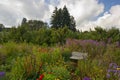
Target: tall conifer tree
[62, 18]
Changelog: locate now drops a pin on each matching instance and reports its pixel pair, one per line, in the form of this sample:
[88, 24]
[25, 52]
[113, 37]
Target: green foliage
[24, 20]
[34, 24]
[26, 61]
[114, 34]
[53, 57]
[50, 36]
[91, 69]
[43, 36]
[4, 37]
[1, 27]
[17, 71]
[24, 68]
[112, 54]
[9, 52]
[66, 53]
[27, 67]
[66, 17]
[101, 34]
[61, 72]
[49, 77]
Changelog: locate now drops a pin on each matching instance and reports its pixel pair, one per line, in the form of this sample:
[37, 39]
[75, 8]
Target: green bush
[9, 51]
[49, 77]
[24, 68]
[91, 69]
[66, 53]
[112, 54]
[60, 72]
[51, 56]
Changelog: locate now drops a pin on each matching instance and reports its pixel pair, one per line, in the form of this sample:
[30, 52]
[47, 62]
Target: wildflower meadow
[23, 61]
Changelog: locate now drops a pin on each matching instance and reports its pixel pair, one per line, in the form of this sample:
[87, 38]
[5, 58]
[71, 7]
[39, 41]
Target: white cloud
[108, 20]
[34, 9]
[12, 11]
[84, 11]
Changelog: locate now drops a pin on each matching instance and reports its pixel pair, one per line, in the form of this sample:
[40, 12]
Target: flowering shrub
[113, 71]
[92, 47]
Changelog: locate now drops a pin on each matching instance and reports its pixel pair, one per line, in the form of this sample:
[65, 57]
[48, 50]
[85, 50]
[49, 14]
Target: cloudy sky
[87, 13]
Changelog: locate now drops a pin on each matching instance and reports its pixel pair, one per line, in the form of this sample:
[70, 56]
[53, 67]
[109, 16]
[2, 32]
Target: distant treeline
[40, 33]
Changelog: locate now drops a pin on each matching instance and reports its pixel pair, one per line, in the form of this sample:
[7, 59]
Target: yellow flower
[118, 68]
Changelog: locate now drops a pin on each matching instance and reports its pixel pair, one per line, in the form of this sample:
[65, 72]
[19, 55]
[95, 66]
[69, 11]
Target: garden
[26, 61]
[36, 50]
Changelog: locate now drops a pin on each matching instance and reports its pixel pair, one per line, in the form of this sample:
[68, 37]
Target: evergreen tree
[1, 27]
[72, 24]
[54, 18]
[66, 17]
[62, 18]
[59, 18]
[24, 20]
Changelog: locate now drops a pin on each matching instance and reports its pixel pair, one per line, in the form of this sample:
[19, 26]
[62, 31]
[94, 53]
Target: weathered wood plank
[78, 55]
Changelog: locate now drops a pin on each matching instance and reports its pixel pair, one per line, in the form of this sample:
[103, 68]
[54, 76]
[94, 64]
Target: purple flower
[114, 69]
[108, 75]
[2, 74]
[113, 65]
[86, 78]
[117, 43]
[109, 70]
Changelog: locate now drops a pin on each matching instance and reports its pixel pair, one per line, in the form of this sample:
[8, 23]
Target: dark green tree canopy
[66, 17]
[62, 18]
[1, 27]
[36, 24]
[33, 24]
[24, 20]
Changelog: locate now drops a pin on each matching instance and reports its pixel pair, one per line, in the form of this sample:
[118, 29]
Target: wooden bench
[78, 56]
